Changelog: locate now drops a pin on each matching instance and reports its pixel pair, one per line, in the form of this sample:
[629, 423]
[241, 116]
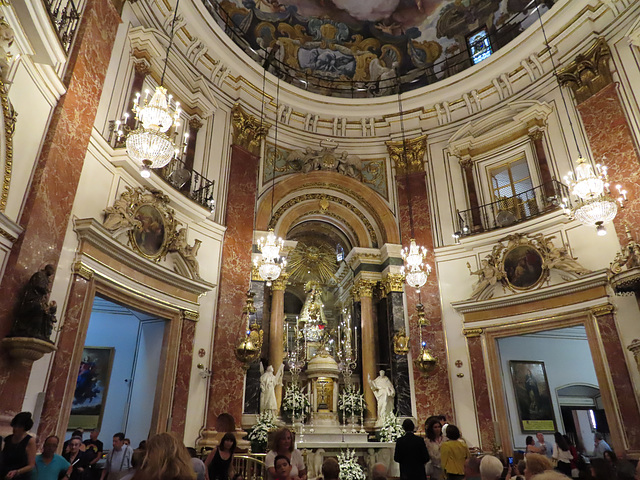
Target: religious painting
[92, 384]
[523, 266]
[149, 238]
[533, 396]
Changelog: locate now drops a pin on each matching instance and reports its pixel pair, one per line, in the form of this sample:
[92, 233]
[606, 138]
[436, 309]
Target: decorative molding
[363, 288]
[604, 309]
[472, 332]
[248, 131]
[190, 315]
[393, 282]
[408, 156]
[80, 269]
[523, 263]
[10, 116]
[589, 72]
[624, 271]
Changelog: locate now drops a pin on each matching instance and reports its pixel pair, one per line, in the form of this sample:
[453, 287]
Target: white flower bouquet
[350, 469]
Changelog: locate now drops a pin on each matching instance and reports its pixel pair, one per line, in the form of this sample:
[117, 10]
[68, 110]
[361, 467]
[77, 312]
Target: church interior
[330, 215]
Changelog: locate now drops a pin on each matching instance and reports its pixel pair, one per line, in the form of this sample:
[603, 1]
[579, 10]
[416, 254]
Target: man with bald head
[379, 472]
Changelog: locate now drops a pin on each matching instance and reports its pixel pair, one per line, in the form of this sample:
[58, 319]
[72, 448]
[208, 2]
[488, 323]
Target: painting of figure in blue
[91, 387]
[323, 61]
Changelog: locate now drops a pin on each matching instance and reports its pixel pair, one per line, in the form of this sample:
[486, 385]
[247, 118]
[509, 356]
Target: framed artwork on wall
[533, 396]
[92, 384]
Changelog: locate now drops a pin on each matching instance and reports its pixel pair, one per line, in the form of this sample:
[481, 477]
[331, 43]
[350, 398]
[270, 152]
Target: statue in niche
[35, 315]
[488, 276]
[268, 383]
[384, 393]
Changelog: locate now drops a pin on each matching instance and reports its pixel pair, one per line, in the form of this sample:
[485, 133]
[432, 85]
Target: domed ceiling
[355, 48]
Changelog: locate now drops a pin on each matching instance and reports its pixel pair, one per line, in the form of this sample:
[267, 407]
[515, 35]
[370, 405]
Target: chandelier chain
[173, 26]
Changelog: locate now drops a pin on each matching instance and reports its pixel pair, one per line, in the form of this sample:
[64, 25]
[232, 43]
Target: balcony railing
[65, 18]
[250, 467]
[508, 211]
[188, 182]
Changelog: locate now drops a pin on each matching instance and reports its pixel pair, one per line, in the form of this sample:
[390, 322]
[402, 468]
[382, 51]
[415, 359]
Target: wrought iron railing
[409, 79]
[65, 18]
[507, 211]
[188, 182]
[250, 467]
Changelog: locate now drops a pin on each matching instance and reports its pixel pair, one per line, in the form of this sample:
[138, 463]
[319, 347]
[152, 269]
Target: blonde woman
[166, 459]
[282, 443]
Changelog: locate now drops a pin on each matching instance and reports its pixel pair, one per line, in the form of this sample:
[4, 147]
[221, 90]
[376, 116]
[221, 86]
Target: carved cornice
[248, 131]
[589, 72]
[408, 155]
[142, 67]
[363, 288]
[82, 270]
[393, 282]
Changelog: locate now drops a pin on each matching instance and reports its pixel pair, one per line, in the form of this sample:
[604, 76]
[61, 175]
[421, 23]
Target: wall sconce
[401, 343]
[203, 371]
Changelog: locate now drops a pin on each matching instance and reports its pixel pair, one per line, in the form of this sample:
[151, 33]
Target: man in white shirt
[118, 460]
[600, 446]
[543, 446]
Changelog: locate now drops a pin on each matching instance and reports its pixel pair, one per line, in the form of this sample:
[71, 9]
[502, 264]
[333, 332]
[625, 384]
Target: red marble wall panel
[227, 381]
[433, 394]
[481, 393]
[620, 379]
[55, 413]
[609, 135]
[57, 172]
[183, 378]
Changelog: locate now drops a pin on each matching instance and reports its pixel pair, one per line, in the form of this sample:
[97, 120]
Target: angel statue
[488, 275]
[268, 383]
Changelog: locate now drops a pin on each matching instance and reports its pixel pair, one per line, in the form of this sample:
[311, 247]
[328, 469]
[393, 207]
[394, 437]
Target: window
[511, 188]
[479, 46]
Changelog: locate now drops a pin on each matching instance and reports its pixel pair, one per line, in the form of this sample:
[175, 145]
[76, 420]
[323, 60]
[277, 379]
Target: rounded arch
[366, 205]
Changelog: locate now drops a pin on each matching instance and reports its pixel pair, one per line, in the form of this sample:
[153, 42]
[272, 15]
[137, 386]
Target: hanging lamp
[593, 203]
[270, 263]
[151, 144]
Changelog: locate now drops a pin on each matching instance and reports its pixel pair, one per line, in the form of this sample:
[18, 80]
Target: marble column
[49, 201]
[227, 380]
[621, 380]
[481, 390]
[363, 291]
[546, 178]
[183, 376]
[433, 395]
[474, 204]
[276, 328]
[252, 378]
[393, 286]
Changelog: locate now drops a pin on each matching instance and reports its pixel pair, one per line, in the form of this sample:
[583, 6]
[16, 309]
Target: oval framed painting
[150, 237]
[523, 267]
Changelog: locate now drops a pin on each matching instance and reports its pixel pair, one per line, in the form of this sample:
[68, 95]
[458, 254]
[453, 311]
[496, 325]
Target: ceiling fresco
[357, 47]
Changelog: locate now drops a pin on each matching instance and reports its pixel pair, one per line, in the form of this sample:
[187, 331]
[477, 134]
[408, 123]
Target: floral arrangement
[351, 402]
[350, 469]
[391, 429]
[295, 403]
[259, 434]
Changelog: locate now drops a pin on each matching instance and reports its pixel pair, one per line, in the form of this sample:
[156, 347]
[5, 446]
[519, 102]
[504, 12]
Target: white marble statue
[268, 383]
[384, 393]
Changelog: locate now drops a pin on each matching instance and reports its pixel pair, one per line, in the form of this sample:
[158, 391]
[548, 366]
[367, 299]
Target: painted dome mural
[361, 48]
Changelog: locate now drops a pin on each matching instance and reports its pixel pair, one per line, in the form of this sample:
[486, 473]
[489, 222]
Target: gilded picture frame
[92, 387]
[532, 396]
[524, 267]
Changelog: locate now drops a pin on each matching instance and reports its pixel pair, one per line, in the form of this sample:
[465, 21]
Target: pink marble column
[433, 396]
[57, 173]
[481, 394]
[57, 404]
[183, 378]
[609, 135]
[623, 388]
[226, 386]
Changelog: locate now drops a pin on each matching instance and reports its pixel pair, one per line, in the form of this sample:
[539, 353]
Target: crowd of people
[441, 455]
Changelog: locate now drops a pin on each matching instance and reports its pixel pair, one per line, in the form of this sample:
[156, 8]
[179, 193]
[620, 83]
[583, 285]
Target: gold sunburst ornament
[317, 261]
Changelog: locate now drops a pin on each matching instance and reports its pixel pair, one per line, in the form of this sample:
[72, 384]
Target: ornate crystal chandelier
[595, 204]
[415, 270]
[270, 264]
[150, 144]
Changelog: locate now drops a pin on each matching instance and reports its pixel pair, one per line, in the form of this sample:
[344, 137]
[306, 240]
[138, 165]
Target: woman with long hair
[562, 454]
[166, 458]
[19, 452]
[219, 460]
[282, 443]
[433, 431]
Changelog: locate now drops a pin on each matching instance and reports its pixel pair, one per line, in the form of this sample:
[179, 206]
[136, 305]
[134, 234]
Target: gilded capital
[248, 131]
[190, 315]
[536, 134]
[363, 288]
[466, 162]
[393, 282]
[589, 72]
[82, 270]
[601, 310]
[408, 155]
[195, 123]
[142, 67]
[280, 283]
[472, 332]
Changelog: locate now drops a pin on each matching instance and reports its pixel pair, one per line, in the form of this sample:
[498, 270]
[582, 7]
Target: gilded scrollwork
[408, 155]
[10, 116]
[589, 72]
[248, 131]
